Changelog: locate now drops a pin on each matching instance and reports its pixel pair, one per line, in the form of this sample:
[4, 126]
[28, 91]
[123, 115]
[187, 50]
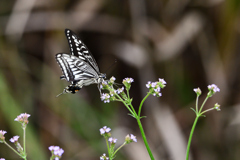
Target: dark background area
[188, 43]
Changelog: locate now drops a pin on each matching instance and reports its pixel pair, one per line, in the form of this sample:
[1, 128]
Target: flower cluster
[2, 138]
[105, 131]
[112, 140]
[23, 119]
[107, 83]
[14, 139]
[127, 82]
[130, 138]
[2, 159]
[212, 89]
[114, 93]
[17, 144]
[197, 91]
[112, 80]
[119, 90]
[217, 107]
[105, 97]
[56, 152]
[155, 87]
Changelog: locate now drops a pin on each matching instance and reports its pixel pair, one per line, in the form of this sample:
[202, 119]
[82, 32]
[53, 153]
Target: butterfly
[79, 67]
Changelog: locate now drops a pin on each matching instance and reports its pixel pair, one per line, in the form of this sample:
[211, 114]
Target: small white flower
[217, 107]
[105, 97]
[104, 157]
[158, 89]
[162, 81]
[214, 88]
[104, 130]
[22, 118]
[112, 140]
[14, 139]
[128, 80]
[148, 85]
[130, 138]
[112, 79]
[197, 91]
[133, 138]
[119, 90]
[154, 84]
[56, 151]
[51, 148]
[2, 132]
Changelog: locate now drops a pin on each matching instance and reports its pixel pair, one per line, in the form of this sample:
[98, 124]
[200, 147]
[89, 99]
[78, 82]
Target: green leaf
[193, 110]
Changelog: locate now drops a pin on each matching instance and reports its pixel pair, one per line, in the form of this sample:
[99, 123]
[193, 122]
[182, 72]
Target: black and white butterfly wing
[79, 67]
[80, 50]
[75, 69]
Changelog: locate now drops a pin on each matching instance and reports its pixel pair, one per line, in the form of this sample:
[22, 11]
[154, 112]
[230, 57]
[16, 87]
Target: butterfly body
[79, 68]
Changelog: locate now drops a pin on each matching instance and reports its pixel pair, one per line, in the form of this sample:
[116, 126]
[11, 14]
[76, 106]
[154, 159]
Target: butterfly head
[103, 75]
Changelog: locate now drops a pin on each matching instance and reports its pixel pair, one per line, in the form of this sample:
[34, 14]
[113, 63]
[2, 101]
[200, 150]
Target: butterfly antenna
[64, 91]
[111, 65]
[59, 94]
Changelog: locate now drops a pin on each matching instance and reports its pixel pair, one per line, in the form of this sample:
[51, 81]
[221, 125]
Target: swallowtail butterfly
[79, 68]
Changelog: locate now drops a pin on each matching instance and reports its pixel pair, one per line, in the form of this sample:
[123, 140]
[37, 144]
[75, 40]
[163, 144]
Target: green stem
[108, 149]
[12, 149]
[24, 140]
[140, 107]
[128, 93]
[203, 104]
[120, 98]
[197, 104]
[119, 148]
[207, 110]
[190, 136]
[144, 138]
[134, 112]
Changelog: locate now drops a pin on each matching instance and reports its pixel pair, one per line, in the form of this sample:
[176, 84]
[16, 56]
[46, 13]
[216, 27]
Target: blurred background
[188, 43]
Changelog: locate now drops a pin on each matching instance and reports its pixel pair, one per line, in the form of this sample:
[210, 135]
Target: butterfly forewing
[75, 69]
[79, 49]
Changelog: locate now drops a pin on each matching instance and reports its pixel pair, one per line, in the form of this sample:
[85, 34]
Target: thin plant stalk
[140, 125]
[12, 149]
[24, 141]
[190, 137]
[144, 138]
[200, 113]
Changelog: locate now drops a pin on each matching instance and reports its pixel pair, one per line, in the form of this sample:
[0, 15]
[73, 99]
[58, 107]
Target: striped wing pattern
[79, 68]
[75, 69]
[79, 49]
